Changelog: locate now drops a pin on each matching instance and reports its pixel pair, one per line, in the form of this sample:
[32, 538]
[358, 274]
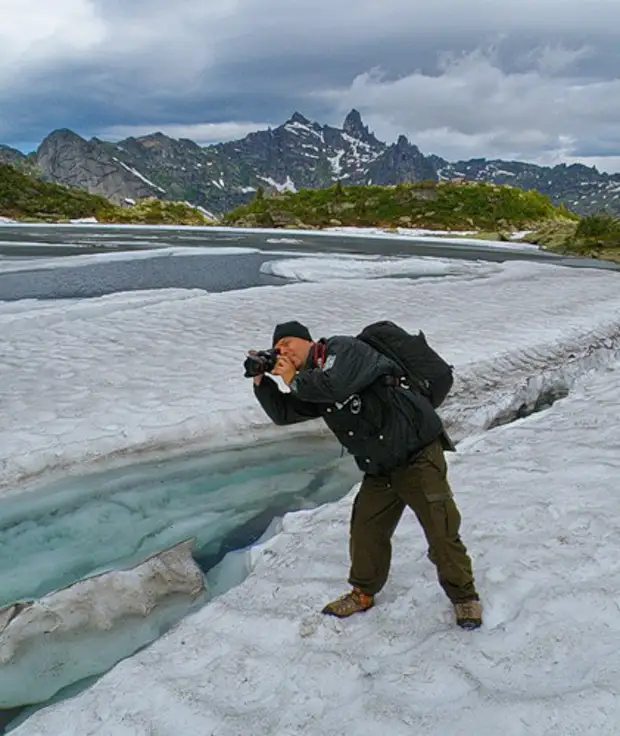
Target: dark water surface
[213, 272]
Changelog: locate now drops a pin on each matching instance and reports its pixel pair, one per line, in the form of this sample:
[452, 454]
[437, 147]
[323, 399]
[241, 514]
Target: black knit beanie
[291, 329]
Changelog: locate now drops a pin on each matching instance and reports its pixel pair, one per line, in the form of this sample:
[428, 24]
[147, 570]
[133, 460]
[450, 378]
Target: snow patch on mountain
[287, 186]
[141, 176]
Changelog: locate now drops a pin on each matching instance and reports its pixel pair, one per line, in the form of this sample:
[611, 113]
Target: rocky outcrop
[66, 158]
[401, 162]
[11, 156]
[354, 127]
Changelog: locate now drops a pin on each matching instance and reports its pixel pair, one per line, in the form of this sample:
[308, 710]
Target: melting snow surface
[88, 259]
[336, 162]
[447, 236]
[290, 241]
[416, 234]
[541, 518]
[75, 632]
[149, 371]
[298, 128]
[333, 269]
[360, 151]
[154, 370]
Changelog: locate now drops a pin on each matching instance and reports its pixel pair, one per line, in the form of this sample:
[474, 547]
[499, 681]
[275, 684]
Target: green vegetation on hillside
[28, 199]
[492, 210]
[594, 236]
[433, 205]
[553, 233]
[23, 197]
[155, 212]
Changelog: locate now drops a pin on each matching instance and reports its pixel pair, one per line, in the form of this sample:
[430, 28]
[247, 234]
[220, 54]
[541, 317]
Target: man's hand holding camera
[269, 361]
[285, 368]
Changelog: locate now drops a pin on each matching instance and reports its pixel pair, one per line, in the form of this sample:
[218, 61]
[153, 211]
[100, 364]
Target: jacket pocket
[359, 416]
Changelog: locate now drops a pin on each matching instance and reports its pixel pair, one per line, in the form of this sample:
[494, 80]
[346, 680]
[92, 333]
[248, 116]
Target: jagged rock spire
[354, 126]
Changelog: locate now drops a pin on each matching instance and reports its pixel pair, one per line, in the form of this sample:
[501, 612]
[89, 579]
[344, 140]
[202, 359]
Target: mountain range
[298, 154]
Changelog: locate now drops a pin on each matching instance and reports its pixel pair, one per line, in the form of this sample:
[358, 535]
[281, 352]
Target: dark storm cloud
[535, 80]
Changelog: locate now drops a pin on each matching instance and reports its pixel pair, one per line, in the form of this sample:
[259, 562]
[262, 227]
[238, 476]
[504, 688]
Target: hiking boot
[468, 614]
[347, 605]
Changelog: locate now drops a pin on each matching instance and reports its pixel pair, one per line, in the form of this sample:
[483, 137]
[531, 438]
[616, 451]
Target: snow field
[106, 387]
[540, 515]
[541, 520]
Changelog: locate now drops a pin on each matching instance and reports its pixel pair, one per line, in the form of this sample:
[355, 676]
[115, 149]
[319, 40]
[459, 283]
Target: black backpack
[424, 370]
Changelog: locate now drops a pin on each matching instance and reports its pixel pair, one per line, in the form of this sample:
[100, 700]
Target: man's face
[295, 349]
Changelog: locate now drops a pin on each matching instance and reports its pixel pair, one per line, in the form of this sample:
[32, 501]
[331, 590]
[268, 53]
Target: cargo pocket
[443, 514]
[442, 511]
[425, 489]
[443, 537]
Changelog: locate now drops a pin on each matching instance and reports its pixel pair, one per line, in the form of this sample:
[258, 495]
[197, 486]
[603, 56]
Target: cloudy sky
[537, 80]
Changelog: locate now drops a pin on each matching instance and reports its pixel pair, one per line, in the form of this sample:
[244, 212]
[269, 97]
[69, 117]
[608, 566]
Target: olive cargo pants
[377, 509]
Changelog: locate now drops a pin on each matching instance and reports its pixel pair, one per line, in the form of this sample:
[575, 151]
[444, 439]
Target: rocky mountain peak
[10, 155]
[67, 158]
[62, 135]
[297, 117]
[151, 140]
[57, 144]
[402, 162]
[354, 126]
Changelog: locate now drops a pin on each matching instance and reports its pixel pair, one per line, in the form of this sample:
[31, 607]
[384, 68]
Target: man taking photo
[398, 442]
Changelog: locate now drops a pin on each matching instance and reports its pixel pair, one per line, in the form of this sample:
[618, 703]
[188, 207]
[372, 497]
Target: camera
[264, 361]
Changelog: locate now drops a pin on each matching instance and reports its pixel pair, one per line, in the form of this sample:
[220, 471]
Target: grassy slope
[26, 198]
[595, 236]
[491, 210]
[442, 206]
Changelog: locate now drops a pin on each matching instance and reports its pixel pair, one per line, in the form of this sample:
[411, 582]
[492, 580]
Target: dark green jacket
[352, 388]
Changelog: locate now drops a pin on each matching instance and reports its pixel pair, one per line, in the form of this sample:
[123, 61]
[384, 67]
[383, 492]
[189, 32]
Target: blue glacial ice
[84, 629]
[57, 534]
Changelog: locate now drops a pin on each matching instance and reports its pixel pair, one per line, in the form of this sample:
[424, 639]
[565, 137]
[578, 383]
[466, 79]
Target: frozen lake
[33, 247]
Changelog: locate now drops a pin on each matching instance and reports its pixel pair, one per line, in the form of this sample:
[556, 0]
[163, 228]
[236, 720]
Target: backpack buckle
[397, 381]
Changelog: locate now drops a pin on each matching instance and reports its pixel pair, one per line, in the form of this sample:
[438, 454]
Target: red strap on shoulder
[318, 355]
